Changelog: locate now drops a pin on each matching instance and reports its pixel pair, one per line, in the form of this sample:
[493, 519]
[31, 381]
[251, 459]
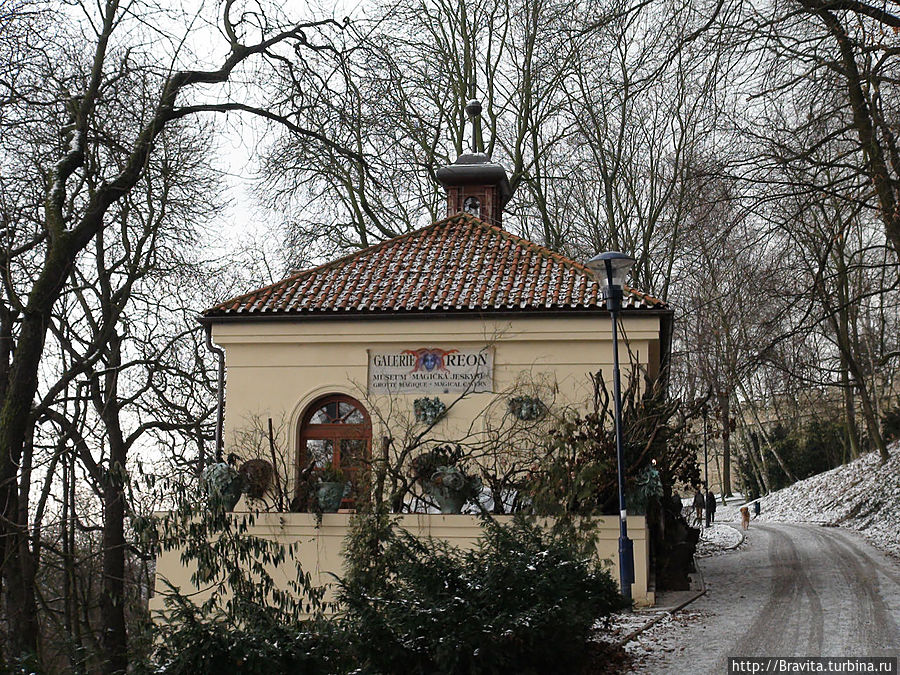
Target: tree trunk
[21, 609]
[872, 421]
[843, 289]
[764, 436]
[757, 462]
[719, 472]
[763, 467]
[863, 120]
[15, 422]
[725, 405]
[71, 619]
[756, 474]
[114, 638]
[21, 612]
[845, 346]
[850, 426]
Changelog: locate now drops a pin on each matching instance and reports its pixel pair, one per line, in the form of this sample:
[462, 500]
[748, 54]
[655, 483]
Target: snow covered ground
[663, 640]
[791, 590]
[717, 539]
[863, 495]
[657, 628]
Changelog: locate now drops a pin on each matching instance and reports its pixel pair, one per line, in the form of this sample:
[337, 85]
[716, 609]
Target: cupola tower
[474, 184]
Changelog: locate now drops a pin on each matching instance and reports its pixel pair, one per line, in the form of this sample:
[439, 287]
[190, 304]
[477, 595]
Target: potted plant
[332, 488]
[647, 487]
[441, 477]
[451, 488]
[223, 485]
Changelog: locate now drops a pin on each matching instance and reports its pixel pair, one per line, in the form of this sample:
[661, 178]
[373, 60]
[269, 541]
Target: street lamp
[611, 269]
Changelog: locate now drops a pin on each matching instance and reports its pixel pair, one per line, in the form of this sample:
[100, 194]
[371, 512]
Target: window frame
[335, 432]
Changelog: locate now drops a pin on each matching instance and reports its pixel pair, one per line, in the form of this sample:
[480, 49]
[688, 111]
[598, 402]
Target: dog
[745, 517]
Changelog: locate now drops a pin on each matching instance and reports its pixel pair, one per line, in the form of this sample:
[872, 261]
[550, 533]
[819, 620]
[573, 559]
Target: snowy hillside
[863, 495]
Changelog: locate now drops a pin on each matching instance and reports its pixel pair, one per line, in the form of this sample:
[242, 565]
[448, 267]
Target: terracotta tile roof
[459, 264]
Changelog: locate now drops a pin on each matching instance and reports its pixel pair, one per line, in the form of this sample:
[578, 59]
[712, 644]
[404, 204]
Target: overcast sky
[240, 140]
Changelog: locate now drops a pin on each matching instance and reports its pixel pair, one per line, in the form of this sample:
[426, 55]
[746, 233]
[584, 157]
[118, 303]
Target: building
[345, 357]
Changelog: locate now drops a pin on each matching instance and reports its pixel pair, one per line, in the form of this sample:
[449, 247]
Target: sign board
[431, 370]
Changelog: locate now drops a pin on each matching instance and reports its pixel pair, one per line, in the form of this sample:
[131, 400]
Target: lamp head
[611, 269]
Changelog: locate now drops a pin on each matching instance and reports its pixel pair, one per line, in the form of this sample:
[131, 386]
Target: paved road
[796, 590]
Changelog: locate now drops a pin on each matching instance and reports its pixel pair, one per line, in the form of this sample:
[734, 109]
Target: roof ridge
[538, 248]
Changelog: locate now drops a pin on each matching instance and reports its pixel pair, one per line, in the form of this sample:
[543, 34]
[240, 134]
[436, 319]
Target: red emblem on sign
[429, 359]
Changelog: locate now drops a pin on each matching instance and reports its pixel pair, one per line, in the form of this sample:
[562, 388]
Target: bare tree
[84, 148]
[399, 103]
[810, 64]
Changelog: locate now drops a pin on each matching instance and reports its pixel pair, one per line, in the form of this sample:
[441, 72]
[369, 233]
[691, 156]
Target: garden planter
[223, 485]
[451, 489]
[330, 496]
[448, 501]
[441, 479]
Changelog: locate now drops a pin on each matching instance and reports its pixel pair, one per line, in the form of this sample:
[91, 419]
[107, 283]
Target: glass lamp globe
[611, 268]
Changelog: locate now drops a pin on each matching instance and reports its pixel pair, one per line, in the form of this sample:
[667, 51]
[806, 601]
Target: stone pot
[330, 496]
[451, 488]
[448, 501]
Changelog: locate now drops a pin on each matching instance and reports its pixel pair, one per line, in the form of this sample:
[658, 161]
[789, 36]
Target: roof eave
[253, 317]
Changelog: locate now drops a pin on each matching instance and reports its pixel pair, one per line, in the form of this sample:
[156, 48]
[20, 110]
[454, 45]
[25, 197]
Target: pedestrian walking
[699, 503]
[710, 507]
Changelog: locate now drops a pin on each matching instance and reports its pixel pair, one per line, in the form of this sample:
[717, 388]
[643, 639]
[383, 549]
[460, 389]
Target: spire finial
[473, 110]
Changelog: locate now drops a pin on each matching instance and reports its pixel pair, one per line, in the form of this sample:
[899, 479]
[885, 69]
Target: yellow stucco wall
[319, 548]
[277, 369]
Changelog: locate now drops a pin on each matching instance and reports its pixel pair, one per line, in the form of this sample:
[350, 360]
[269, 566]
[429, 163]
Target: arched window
[472, 206]
[336, 431]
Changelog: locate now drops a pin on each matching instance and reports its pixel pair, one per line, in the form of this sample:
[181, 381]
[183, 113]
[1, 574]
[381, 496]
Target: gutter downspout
[220, 406]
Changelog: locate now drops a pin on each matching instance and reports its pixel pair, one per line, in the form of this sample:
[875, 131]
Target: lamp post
[611, 268]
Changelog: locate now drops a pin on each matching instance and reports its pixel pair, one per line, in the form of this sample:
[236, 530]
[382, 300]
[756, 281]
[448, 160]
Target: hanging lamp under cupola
[474, 184]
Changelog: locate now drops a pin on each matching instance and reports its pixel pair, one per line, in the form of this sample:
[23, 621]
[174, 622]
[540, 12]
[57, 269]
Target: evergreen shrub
[260, 645]
[890, 424]
[524, 601]
[817, 446]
